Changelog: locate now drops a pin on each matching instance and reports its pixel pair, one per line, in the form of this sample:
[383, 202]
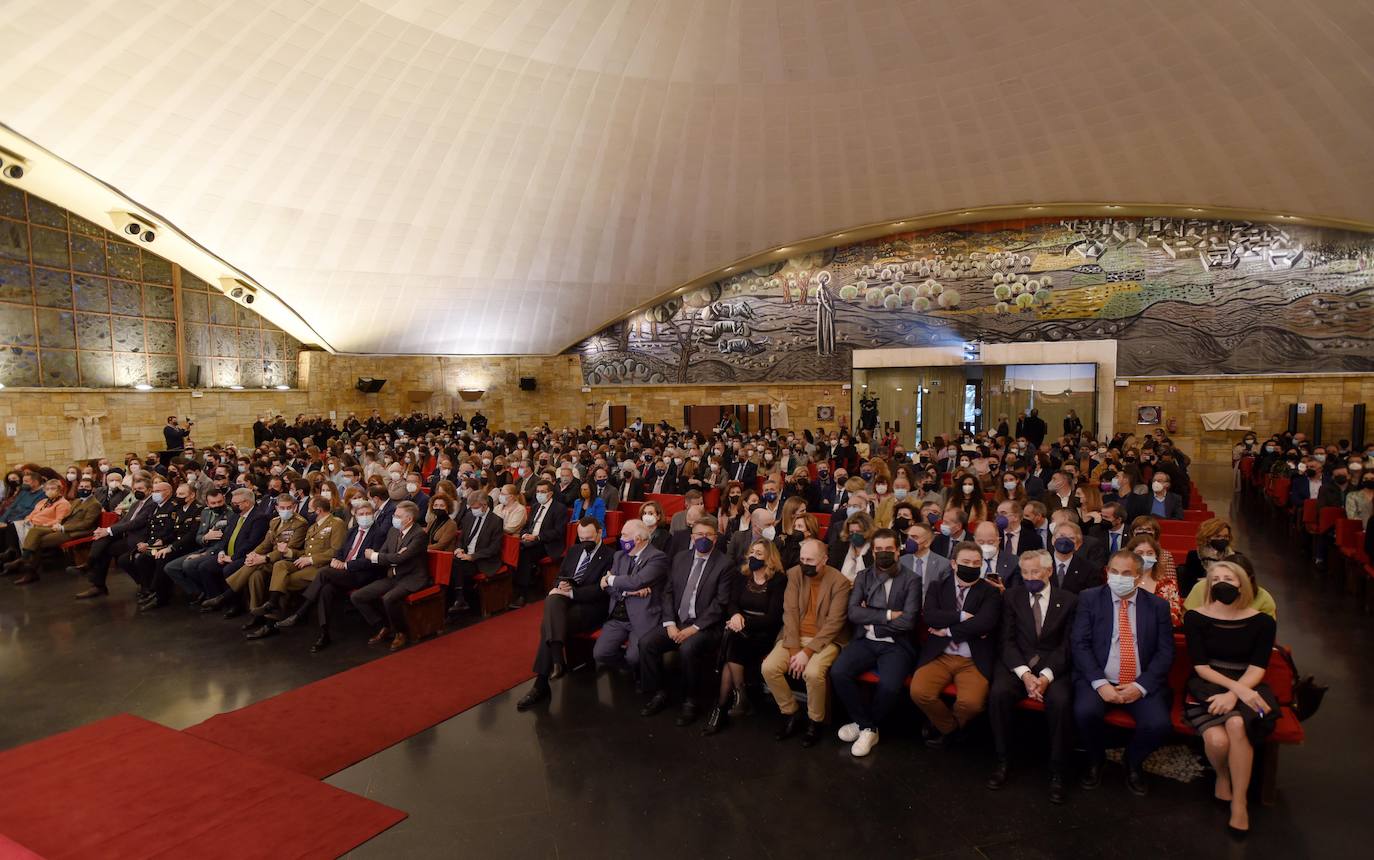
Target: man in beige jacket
[815, 607]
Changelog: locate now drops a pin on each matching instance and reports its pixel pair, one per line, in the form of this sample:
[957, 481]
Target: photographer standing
[175, 436]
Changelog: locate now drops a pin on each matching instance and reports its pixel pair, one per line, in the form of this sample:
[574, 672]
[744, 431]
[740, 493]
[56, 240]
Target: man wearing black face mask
[575, 605]
[962, 615]
[883, 609]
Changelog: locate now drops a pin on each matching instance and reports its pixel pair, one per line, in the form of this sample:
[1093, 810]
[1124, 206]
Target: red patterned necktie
[1127, 645]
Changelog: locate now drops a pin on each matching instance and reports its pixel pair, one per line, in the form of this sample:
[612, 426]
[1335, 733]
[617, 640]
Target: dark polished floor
[588, 777]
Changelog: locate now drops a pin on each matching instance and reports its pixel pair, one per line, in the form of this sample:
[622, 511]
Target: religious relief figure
[825, 316]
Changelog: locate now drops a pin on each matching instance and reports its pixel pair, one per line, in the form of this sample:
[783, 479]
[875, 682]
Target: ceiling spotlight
[11, 165]
[783, 250]
[238, 289]
[14, 171]
[143, 386]
[1110, 206]
[2, 385]
[132, 224]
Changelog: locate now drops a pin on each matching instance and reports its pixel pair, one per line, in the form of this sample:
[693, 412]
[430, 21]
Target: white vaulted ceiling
[504, 176]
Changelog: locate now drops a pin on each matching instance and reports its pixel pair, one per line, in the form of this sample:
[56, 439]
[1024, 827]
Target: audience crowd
[1008, 567]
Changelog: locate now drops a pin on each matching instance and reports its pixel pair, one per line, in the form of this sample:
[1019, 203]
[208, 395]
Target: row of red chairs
[1348, 535]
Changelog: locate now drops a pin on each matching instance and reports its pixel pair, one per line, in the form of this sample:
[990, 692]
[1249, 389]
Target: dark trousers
[330, 587]
[103, 551]
[1007, 690]
[9, 539]
[562, 618]
[1151, 715]
[384, 600]
[150, 573]
[528, 565]
[697, 653]
[460, 577]
[199, 573]
[893, 664]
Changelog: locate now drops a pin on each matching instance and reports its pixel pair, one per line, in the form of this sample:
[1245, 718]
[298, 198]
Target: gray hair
[1038, 557]
[241, 494]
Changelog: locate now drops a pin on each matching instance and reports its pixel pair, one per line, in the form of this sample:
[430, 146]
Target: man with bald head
[760, 526]
[815, 609]
[632, 585]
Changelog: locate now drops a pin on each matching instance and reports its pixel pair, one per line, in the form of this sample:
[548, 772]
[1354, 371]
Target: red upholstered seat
[615, 520]
[670, 502]
[822, 522]
[630, 510]
[1309, 515]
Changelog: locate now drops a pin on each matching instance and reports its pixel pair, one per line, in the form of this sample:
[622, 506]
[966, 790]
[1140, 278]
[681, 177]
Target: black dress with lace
[1229, 647]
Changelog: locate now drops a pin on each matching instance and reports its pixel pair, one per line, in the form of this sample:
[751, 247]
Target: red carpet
[326, 726]
[126, 787]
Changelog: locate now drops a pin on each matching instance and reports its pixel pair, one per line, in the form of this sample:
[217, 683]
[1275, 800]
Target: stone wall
[1265, 398]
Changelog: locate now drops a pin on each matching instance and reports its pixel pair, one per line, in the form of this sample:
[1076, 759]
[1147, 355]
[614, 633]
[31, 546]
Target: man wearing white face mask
[287, 531]
[1164, 504]
[1123, 648]
[404, 563]
[760, 526]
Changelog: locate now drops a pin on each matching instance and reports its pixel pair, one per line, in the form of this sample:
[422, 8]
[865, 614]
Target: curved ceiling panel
[503, 176]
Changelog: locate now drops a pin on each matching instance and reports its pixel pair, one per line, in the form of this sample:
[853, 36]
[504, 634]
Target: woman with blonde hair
[1226, 699]
[753, 619]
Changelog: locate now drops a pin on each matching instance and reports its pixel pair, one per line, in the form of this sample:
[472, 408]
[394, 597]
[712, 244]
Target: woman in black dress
[1226, 699]
[753, 619]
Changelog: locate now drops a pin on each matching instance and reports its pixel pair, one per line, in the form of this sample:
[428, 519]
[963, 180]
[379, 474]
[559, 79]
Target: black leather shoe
[253, 623]
[1135, 781]
[687, 715]
[1092, 776]
[320, 644]
[262, 610]
[268, 629]
[656, 703]
[812, 735]
[791, 724]
[998, 777]
[290, 621]
[150, 604]
[29, 576]
[458, 608]
[212, 603]
[1057, 794]
[537, 694]
[234, 610]
[715, 721]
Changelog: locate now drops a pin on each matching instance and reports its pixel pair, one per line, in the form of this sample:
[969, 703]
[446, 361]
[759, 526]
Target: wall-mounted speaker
[1357, 427]
[368, 385]
[527, 383]
[1317, 424]
[1292, 418]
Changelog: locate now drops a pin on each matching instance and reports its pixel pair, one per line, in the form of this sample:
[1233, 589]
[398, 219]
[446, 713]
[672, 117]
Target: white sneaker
[849, 732]
[868, 739]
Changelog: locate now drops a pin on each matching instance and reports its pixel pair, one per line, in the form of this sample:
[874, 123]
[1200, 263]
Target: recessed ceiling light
[899, 389]
[1194, 209]
[898, 223]
[1035, 207]
[283, 388]
[729, 268]
[783, 250]
[965, 213]
[838, 236]
[1111, 207]
[143, 386]
[236, 388]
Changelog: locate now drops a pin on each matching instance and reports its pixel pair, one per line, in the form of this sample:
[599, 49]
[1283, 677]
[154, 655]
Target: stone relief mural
[1182, 296]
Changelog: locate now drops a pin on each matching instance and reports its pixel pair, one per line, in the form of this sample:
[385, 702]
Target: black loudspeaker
[368, 385]
[1357, 427]
[527, 383]
[193, 377]
[1317, 424]
[1292, 418]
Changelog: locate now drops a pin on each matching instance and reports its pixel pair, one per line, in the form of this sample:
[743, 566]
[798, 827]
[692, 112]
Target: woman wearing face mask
[661, 535]
[1011, 488]
[589, 503]
[1158, 580]
[1226, 700]
[966, 494]
[883, 502]
[443, 528]
[1359, 502]
[1089, 501]
[802, 527]
[1213, 544]
[753, 618]
[732, 507]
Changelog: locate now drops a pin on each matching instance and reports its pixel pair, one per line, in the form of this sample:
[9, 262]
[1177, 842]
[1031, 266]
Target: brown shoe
[93, 591]
[384, 633]
[399, 642]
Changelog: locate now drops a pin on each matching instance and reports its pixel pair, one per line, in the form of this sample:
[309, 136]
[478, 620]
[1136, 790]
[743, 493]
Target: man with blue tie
[1113, 526]
[1123, 648]
[633, 585]
[575, 605]
[921, 560]
[692, 612]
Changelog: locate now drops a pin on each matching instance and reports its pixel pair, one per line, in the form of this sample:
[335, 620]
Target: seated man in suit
[1018, 533]
[815, 608]
[1036, 620]
[214, 520]
[575, 605]
[1123, 647]
[952, 532]
[760, 526]
[692, 619]
[884, 606]
[79, 522]
[202, 574]
[543, 536]
[478, 551]
[116, 540]
[287, 532]
[1069, 568]
[1164, 505]
[405, 564]
[961, 615]
[995, 564]
[921, 560]
[633, 586]
[680, 522]
[1112, 530]
[349, 569]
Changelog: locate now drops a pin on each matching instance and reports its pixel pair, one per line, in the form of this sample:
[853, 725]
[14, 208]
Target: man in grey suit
[605, 490]
[478, 550]
[633, 586]
[917, 557]
[692, 608]
[761, 526]
[680, 521]
[403, 557]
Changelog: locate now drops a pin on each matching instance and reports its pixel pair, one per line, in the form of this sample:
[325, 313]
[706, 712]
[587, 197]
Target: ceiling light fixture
[1111, 206]
[143, 386]
[1035, 207]
[283, 387]
[236, 388]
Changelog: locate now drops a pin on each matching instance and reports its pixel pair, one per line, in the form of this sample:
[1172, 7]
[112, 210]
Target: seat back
[510, 552]
[670, 502]
[440, 566]
[630, 510]
[1279, 675]
[615, 520]
[822, 521]
[1309, 513]
[812, 471]
[1328, 517]
[108, 518]
[1194, 516]
[711, 499]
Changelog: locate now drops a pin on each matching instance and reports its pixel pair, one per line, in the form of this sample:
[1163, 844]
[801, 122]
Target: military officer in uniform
[295, 570]
[286, 533]
[171, 534]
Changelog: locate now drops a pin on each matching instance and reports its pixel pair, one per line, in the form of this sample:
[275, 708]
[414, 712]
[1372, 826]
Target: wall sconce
[471, 394]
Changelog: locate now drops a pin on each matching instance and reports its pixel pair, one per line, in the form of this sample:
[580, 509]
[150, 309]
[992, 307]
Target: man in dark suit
[544, 534]
[575, 605]
[478, 550]
[406, 571]
[1034, 428]
[1164, 505]
[746, 471]
[1069, 568]
[1059, 493]
[1113, 530]
[884, 606]
[111, 543]
[204, 573]
[692, 613]
[1017, 533]
[1123, 648]
[1036, 620]
[350, 569]
[961, 615]
[760, 526]
[174, 438]
[832, 495]
[633, 586]
[952, 533]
